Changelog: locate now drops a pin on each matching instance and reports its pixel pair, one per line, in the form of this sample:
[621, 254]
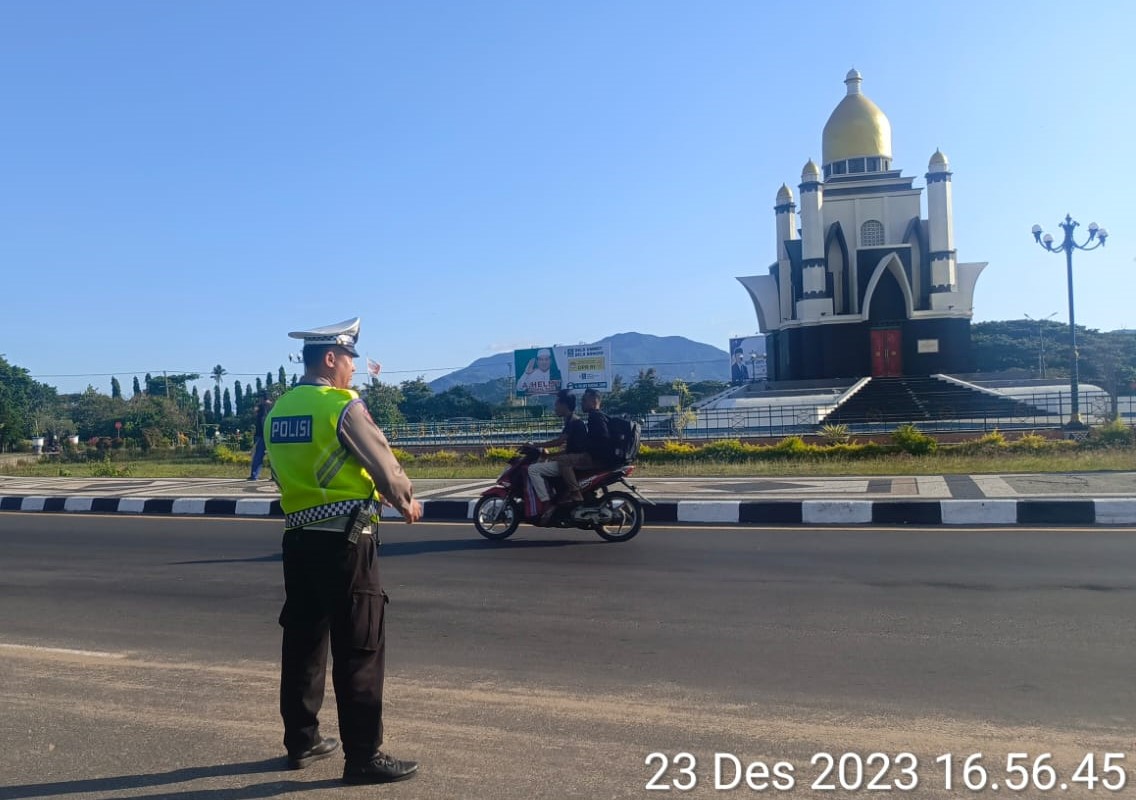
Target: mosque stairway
[912, 399]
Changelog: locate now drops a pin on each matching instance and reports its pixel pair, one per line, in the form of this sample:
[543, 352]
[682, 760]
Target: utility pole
[1041, 341]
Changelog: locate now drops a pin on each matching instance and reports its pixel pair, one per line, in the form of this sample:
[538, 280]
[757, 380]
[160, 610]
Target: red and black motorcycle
[615, 515]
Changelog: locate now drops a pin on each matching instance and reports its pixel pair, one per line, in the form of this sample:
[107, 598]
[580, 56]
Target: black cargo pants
[332, 592]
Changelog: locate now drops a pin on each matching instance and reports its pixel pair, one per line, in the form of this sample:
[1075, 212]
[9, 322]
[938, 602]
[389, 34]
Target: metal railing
[773, 421]
[489, 432]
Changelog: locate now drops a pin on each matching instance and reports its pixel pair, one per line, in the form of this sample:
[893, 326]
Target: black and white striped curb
[1112, 511]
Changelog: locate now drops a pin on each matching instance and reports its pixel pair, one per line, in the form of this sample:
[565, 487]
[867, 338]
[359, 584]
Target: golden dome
[784, 195]
[857, 127]
[938, 162]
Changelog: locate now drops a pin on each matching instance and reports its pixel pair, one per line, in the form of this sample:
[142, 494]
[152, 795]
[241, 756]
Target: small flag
[374, 368]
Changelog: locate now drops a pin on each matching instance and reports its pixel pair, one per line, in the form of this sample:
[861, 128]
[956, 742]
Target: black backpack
[624, 439]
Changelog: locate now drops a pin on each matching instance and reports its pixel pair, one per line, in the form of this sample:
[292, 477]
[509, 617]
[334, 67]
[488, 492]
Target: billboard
[747, 360]
[546, 370]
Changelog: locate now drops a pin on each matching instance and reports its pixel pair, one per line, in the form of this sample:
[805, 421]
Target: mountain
[483, 370]
[671, 356]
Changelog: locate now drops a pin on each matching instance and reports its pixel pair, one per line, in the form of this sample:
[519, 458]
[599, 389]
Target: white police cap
[344, 334]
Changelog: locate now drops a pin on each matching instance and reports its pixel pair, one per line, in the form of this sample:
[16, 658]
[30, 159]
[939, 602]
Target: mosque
[863, 285]
[866, 311]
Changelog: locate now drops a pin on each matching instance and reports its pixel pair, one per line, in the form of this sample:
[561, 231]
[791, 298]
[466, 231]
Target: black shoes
[380, 769]
[322, 749]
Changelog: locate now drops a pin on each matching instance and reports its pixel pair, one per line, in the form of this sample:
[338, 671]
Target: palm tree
[218, 373]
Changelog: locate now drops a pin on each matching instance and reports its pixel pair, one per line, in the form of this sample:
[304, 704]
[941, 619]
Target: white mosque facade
[863, 284]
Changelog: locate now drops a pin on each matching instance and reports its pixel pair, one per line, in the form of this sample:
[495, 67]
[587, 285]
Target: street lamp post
[1097, 237]
[1041, 340]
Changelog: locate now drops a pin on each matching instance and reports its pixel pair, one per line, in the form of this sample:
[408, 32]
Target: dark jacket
[576, 433]
[599, 438]
[262, 410]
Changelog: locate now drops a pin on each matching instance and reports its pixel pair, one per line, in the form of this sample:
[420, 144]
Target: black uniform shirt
[577, 435]
[599, 437]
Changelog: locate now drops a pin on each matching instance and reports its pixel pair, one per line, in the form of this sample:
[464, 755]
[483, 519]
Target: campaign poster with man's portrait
[536, 372]
[747, 360]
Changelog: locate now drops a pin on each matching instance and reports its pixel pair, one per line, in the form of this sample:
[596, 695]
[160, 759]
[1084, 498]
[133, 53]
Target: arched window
[872, 233]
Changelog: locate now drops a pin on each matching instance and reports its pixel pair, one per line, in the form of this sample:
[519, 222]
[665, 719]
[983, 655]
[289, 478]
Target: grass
[139, 468]
[933, 464]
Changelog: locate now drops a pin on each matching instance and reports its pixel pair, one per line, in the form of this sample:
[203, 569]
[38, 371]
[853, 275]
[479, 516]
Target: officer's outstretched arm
[363, 438]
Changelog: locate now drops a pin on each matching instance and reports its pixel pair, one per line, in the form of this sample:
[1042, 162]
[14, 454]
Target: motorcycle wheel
[628, 517]
[496, 518]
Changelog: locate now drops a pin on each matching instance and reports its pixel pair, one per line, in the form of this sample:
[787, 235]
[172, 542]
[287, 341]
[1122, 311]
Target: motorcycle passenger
[574, 439]
[599, 436]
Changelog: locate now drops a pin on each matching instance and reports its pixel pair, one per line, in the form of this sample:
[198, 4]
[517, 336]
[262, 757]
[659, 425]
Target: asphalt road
[139, 656]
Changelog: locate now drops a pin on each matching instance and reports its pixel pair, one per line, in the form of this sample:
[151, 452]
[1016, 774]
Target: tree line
[164, 410]
[414, 401]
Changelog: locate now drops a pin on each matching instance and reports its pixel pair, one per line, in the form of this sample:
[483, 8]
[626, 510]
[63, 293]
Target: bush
[668, 453]
[732, 451]
[1112, 434]
[403, 456]
[223, 455]
[850, 451]
[792, 447]
[441, 458]
[729, 450]
[987, 444]
[1033, 443]
[107, 469]
[911, 440]
[502, 454]
[835, 434]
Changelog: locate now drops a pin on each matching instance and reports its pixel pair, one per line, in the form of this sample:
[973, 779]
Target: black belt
[358, 524]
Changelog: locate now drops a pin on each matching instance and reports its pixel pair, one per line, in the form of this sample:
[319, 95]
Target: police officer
[335, 468]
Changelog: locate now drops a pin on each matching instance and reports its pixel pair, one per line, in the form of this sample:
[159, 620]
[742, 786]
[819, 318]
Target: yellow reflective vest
[318, 477]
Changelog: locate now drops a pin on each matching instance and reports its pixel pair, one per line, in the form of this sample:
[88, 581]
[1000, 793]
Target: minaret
[786, 220]
[941, 239]
[816, 301]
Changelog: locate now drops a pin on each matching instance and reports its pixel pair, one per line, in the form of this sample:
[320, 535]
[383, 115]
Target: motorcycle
[616, 516]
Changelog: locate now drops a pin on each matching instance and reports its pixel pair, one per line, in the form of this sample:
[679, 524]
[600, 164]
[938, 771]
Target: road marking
[749, 527]
[692, 528]
[932, 486]
[905, 486]
[35, 648]
[189, 505]
[254, 507]
[994, 486]
[442, 490]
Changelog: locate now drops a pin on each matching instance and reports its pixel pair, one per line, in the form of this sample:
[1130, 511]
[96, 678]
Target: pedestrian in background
[262, 410]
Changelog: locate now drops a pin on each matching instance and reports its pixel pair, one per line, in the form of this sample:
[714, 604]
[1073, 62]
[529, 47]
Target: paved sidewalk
[1056, 499]
[1054, 486]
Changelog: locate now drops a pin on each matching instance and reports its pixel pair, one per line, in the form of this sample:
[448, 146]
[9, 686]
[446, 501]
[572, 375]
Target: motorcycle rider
[574, 439]
[596, 454]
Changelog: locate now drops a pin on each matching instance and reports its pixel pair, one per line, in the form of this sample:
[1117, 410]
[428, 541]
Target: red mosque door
[887, 361]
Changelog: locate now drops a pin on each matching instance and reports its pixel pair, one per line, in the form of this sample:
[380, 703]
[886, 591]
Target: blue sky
[181, 183]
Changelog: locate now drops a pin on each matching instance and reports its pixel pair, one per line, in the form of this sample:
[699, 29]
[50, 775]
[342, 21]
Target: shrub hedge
[905, 440]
